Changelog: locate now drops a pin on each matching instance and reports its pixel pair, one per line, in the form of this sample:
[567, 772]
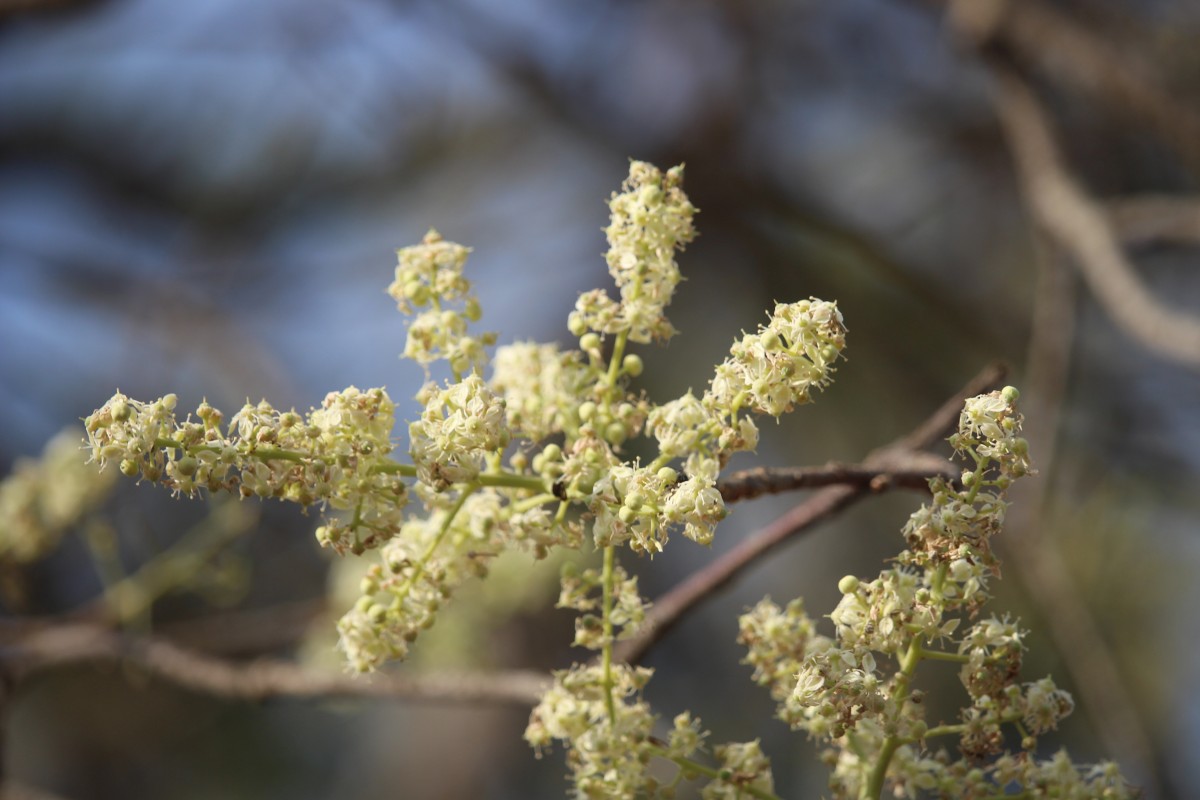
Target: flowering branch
[533, 458]
[669, 609]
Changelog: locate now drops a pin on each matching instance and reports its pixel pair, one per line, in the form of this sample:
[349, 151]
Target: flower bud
[848, 584]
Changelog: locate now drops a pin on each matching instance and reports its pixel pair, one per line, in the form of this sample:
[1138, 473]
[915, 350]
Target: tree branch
[79, 643]
[667, 610]
[921, 467]
[1078, 224]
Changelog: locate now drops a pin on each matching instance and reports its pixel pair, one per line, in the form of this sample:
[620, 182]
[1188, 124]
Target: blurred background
[205, 198]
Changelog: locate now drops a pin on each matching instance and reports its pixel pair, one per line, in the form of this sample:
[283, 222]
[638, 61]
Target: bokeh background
[205, 198]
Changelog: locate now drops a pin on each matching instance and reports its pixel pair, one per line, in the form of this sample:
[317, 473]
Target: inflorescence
[532, 457]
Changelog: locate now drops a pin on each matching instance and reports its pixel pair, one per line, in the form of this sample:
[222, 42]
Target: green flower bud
[627, 515]
[615, 432]
[667, 475]
[1010, 394]
[848, 584]
[129, 467]
[186, 466]
[632, 365]
[589, 342]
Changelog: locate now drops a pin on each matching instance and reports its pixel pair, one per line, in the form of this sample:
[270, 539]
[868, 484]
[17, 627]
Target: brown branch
[921, 467]
[1068, 52]
[1077, 223]
[667, 610]
[1155, 218]
[71, 644]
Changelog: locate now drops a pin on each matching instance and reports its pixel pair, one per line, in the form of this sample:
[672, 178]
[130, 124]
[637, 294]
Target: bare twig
[257, 680]
[1078, 224]
[1072, 55]
[1155, 218]
[751, 483]
[670, 608]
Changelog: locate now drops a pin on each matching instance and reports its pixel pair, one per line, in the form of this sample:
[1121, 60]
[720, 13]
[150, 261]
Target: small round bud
[186, 466]
[576, 325]
[121, 411]
[615, 432]
[848, 584]
[587, 410]
[1010, 394]
[667, 475]
[627, 515]
[552, 452]
[635, 500]
[129, 467]
[589, 342]
[169, 401]
[632, 365]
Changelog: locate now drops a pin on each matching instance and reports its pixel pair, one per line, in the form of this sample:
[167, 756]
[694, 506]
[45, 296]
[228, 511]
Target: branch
[921, 467]
[1077, 223]
[1073, 55]
[1155, 218]
[666, 611]
[66, 645]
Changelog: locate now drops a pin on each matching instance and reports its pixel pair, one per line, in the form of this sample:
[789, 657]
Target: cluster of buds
[651, 219]
[429, 280]
[840, 690]
[43, 498]
[337, 456]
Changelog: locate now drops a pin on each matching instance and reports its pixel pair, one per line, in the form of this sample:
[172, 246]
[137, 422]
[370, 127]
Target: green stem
[419, 568]
[873, 788]
[511, 480]
[614, 366]
[608, 578]
[942, 655]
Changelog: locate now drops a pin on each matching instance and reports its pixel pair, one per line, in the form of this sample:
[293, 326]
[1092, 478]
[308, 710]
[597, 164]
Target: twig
[1078, 225]
[751, 483]
[1155, 218]
[670, 608]
[1072, 55]
[257, 680]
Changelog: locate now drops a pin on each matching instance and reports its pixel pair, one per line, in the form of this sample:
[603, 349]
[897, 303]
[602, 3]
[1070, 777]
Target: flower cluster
[540, 386]
[534, 459]
[429, 276]
[44, 497]
[854, 691]
[337, 456]
[651, 219]
[459, 426]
